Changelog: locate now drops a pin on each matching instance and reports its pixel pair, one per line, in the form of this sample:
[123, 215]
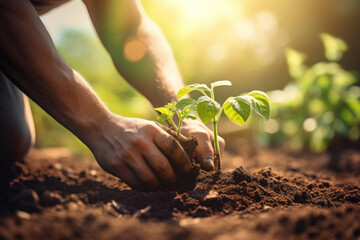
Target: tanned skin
[138, 151]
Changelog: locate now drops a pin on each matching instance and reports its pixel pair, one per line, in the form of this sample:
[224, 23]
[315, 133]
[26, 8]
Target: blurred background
[305, 54]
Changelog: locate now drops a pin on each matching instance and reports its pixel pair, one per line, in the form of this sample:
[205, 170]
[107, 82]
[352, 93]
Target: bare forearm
[29, 58]
[160, 78]
[155, 74]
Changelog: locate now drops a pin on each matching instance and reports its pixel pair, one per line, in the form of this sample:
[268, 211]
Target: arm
[122, 23]
[156, 74]
[137, 151]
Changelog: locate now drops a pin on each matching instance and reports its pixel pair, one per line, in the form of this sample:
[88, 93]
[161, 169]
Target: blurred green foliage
[322, 101]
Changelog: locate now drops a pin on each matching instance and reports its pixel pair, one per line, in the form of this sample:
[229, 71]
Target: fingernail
[209, 164]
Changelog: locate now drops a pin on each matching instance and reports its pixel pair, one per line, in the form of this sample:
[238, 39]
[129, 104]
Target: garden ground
[260, 194]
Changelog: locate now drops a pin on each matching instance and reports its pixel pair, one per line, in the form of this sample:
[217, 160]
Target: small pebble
[267, 207]
[93, 173]
[72, 206]
[58, 166]
[211, 195]
[23, 215]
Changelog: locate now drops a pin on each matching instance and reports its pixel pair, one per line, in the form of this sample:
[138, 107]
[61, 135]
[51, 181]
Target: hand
[139, 152]
[205, 151]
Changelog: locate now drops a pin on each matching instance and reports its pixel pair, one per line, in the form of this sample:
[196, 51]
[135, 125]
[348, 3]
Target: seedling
[237, 109]
[184, 109]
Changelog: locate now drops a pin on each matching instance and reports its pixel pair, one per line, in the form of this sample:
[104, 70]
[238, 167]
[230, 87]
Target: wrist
[90, 128]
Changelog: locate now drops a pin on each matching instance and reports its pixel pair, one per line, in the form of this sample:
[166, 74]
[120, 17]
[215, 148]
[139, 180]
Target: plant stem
[203, 92]
[178, 130]
[174, 125]
[216, 141]
[217, 147]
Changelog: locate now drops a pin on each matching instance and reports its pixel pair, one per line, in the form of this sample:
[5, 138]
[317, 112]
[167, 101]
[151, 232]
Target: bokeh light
[134, 50]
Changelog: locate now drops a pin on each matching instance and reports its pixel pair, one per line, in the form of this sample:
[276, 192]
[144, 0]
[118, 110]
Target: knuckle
[139, 143]
[205, 151]
[112, 166]
[150, 180]
[162, 167]
[133, 163]
[203, 134]
[117, 164]
[208, 149]
[150, 127]
[126, 155]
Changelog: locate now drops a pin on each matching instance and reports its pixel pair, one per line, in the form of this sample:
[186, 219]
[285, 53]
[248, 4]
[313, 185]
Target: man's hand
[139, 152]
[205, 151]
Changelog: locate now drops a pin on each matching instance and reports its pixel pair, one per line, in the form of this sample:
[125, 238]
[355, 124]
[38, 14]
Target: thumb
[205, 154]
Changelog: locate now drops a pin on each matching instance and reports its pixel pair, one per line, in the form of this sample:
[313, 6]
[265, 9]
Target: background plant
[237, 109]
[321, 103]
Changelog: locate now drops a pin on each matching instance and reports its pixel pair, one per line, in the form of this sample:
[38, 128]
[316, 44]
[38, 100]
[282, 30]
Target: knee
[15, 142]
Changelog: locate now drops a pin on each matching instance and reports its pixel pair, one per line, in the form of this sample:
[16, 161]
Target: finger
[161, 166]
[126, 175]
[172, 150]
[144, 174]
[205, 152]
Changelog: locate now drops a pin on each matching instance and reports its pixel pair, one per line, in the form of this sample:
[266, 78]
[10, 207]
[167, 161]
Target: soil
[301, 196]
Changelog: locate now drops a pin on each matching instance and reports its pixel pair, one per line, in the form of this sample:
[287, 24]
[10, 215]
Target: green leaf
[207, 109]
[295, 61]
[259, 101]
[189, 109]
[170, 106]
[193, 87]
[334, 47]
[354, 106]
[164, 111]
[221, 83]
[237, 109]
[163, 117]
[185, 102]
[191, 116]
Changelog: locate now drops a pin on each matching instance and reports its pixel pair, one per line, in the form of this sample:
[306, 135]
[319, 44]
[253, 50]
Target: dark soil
[59, 196]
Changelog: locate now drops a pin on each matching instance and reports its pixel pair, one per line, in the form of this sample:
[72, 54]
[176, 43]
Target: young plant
[184, 109]
[237, 109]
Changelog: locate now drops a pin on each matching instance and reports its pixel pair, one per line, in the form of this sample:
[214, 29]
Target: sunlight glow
[217, 52]
[266, 20]
[245, 29]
